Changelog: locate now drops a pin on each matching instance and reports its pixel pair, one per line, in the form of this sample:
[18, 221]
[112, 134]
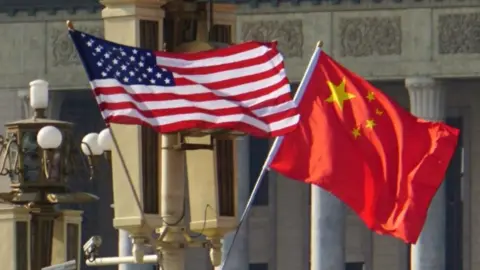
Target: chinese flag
[376, 157]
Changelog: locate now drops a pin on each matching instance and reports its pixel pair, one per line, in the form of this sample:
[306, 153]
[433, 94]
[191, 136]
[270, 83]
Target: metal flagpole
[273, 150]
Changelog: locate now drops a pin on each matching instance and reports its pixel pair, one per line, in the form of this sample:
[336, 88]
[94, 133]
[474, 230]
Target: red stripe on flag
[153, 113]
[268, 56]
[232, 82]
[211, 96]
[187, 124]
[223, 52]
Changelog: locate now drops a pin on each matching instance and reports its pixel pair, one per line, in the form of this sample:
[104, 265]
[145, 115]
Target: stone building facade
[434, 43]
[425, 55]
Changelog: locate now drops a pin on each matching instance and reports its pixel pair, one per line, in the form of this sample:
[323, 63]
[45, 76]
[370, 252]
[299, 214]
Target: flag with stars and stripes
[242, 87]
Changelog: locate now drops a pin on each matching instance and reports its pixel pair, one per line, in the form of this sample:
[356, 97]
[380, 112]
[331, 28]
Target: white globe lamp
[105, 140]
[90, 145]
[49, 137]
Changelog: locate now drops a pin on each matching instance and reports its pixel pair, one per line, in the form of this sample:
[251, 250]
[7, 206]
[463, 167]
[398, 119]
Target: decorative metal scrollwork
[9, 156]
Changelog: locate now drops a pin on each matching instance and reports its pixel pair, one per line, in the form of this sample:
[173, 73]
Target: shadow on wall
[80, 108]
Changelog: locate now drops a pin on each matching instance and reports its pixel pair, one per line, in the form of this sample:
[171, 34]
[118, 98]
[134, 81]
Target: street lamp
[37, 154]
[95, 144]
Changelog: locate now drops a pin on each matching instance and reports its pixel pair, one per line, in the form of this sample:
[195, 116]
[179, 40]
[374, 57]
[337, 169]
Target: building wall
[39, 47]
[386, 45]
[374, 42]
[398, 43]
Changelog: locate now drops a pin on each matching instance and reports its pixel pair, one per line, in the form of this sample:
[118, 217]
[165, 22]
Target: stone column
[239, 257]
[427, 100]
[122, 22]
[328, 231]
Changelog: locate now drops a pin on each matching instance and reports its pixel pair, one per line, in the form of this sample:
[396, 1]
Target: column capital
[427, 97]
[421, 83]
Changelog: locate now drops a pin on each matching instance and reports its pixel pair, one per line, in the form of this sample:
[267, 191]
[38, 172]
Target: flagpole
[327, 231]
[274, 148]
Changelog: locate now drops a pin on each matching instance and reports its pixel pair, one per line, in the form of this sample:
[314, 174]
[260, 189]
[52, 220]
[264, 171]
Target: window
[258, 154]
[178, 27]
[258, 266]
[409, 256]
[149, 35]
[21, 231]
[226, 176]
[150, 138]
[354, 266]
[294, 87]
[454, 204]
[169, 32]
[41, 233]
[221, 33]
[72, 241]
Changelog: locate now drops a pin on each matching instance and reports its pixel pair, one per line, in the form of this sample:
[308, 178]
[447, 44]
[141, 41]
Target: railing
[70, 265]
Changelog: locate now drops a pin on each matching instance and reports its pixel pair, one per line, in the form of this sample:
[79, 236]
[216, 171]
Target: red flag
[376, 157]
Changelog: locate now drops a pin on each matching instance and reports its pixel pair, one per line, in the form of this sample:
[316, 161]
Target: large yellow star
[339, 95]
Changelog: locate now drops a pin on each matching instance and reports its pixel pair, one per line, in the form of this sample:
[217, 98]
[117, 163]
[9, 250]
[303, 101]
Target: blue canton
[130, 66]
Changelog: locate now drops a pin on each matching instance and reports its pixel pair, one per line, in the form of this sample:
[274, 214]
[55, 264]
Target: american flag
[243, 87]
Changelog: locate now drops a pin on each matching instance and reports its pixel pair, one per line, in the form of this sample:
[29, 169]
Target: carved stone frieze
[63, 51]
[459, 33]
[288, 34]
[292, 6]
[367, 36]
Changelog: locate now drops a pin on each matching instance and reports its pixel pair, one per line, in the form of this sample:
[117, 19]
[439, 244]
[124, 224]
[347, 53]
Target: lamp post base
[41, 237]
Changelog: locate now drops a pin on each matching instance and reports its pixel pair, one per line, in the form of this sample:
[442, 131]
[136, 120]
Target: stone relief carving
[289, 35]
[459, 33]
[367, 36]
[63, 50]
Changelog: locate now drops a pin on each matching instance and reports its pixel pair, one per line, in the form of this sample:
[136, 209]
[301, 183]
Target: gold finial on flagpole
[319, 44]
[70, 25]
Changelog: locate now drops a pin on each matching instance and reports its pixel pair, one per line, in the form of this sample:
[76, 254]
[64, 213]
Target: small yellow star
[356, 132]
[379, 112]
[339, 94]
[371, 96]
[370, 123]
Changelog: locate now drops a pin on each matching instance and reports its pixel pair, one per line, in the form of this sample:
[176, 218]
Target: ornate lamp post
[37, 154]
